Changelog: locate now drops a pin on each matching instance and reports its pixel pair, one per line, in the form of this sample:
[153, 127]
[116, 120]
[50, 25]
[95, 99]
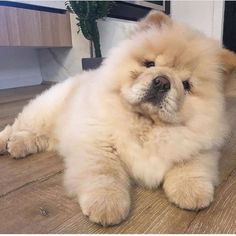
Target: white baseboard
[20, 82]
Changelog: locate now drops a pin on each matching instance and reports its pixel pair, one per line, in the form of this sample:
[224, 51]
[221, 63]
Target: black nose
[161, 84]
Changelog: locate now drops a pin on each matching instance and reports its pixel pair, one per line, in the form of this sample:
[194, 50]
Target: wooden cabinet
[32, 28]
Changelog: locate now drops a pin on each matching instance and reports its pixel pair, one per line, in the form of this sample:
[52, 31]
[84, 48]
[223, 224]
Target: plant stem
[96, 38]
[91, 48]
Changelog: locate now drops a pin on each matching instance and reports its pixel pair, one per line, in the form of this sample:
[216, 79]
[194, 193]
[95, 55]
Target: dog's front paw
[189, 193]
[105, 206]
[20, 146]
[3, 146]
[4, 136]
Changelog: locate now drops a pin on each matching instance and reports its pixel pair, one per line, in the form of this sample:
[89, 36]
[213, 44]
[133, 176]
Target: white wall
[112, 31]
[206, 16]
[218, 20]
[19, 67]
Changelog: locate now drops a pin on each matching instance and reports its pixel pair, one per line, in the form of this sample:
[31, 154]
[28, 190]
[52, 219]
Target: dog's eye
[186, 85]
[149, 63]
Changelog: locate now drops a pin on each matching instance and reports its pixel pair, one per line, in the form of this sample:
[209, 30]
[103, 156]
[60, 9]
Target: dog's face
[164, 68]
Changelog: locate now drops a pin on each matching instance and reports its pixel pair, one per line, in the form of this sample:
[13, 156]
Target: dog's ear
[228, 68]
[228, 61]
[154, 18]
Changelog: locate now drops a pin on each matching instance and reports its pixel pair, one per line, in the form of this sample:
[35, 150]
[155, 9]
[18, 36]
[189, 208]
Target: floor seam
[16, 101]
[227, 178]
[31, 182]
[189, 224]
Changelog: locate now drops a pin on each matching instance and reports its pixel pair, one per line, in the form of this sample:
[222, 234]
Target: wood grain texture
[4, 37]
[24, 27]
[36, 208]
[221, 216]
[33, 199]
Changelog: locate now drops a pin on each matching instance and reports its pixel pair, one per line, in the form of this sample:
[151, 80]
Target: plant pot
[91, 63]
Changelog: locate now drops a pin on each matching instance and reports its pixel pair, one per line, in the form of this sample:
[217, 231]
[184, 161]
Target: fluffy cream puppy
[153, 112]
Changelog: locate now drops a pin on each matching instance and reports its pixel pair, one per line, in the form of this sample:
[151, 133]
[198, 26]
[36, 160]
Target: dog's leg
[20, 141]
[101, 185]
[23, 143]
[190, 185]
[32, 130]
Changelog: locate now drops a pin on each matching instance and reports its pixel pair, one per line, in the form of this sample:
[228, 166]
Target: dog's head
[165, 68]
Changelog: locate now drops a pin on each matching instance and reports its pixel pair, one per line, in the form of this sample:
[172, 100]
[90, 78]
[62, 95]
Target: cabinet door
[25, 27]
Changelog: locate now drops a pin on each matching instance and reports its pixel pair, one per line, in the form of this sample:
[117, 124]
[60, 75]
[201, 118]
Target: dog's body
[113, 123]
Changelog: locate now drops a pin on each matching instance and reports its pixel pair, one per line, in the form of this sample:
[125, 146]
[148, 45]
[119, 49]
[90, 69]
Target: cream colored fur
[107, 135]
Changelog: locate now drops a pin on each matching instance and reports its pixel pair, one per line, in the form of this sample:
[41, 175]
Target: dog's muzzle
[158, 89]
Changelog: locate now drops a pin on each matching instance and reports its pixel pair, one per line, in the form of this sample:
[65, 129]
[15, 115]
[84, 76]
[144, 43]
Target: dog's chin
[169, 116]
[158, 111]
[157, 108]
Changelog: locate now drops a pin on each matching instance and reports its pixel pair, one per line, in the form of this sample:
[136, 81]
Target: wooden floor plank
[221, 216]
[8, 120]
[36, 208]
[17, 173]
[12, 109]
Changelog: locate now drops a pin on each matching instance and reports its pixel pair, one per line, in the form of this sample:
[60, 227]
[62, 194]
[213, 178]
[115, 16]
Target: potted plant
[87, 14]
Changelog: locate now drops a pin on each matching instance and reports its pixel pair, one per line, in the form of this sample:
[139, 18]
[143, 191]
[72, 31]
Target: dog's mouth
[153, 97]
[157, 90]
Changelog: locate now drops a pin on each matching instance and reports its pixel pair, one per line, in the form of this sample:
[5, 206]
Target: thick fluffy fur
[108, 134]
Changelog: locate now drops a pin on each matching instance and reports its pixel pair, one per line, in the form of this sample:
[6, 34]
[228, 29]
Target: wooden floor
[33, 199]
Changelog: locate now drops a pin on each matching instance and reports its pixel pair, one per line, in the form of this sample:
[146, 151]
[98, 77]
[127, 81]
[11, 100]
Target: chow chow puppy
[153, 112]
